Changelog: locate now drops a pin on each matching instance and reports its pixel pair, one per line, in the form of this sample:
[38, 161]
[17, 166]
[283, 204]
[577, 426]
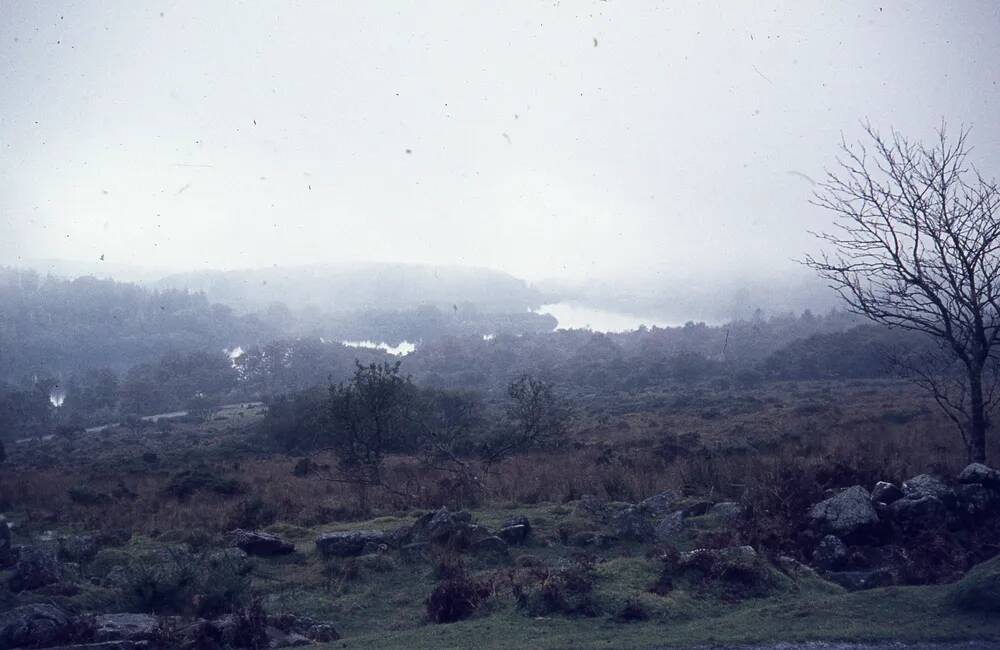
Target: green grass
[380, 603]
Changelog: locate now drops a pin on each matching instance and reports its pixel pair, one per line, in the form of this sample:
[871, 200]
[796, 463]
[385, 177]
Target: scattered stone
[660, 504]
[490, 546]
[726, 510]
[925, 485]
[34, 625]
[8, 554]
[858, 580]
[259, 543]
[979, 473]
[976, 499]
[279, 639]
[125, 627]
[77, 548]
[515, 531]
[698, 508]
[830, 554]
[347, 543]
[847, 513]
[669, 526]
[913, 513]
[634, 524]
[309, 628]
[36, 567]
[705, 558]
[886, 493]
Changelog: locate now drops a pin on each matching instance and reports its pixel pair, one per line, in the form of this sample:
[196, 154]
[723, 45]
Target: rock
[8, 555]
[259, 543]
[926, 485]
[278, 639]
[726, 510]
[34, 625]
[304, 626]
[515, 531]
[114, 537]
[793, 567]
[233, 559]
[36, 567]
[698, 508]
[669, 526]
[77, 548]
[913, 513]
[437, 526]
[979, 473]
[415, 552]
[125, 627]
[848, 513]
[634, 524]
[886, 493]
[347, 543]
[491, 546]
[976, 499]
[660, 504]
[830, 554]
[858, 580]
[706, 558]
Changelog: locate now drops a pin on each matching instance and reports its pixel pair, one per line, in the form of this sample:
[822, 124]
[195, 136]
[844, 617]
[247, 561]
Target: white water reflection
[401, 350]
[577, 316]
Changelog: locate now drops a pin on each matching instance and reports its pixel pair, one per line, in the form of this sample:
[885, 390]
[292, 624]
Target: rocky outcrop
[830, 554]
[37, 566]
[886, 493]
[258, 543]
[34, 625]
[926, 485]
[125, 627]
[348, 543]
[847, 513]
[515, 531]
[981, 474]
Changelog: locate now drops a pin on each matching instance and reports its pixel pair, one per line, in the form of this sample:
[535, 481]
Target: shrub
[184, 484]
[173, 581]
[455, 598]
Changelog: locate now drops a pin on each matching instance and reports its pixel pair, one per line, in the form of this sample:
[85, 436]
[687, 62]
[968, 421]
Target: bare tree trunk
[977, 428]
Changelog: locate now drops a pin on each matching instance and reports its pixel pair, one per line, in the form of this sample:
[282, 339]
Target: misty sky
[543, 138]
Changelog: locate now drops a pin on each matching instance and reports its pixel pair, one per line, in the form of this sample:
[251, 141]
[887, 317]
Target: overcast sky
[564, 139]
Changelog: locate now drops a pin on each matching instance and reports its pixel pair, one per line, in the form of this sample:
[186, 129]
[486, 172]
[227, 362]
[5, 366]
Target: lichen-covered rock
[977, 500]
[77, 548]
[36, 567]
[125, 627]
[515, 530]
[830, 554]
[634, 524]
[886, 493]
[979, 473]
[669, 526]
[259, 543]
[348, 543]
[34, 625]
[926, 485]
[847, 513]
[492, 547]
[659, 505]
[913, 513]
[726, 510]
[8, 554]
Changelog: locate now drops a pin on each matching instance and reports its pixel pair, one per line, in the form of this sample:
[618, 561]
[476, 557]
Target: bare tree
[915, 245]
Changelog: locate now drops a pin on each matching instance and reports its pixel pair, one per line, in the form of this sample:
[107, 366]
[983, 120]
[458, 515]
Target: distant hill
[362, 286]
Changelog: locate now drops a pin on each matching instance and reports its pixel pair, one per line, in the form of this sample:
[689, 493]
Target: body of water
[577, 316]
[400, 350]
